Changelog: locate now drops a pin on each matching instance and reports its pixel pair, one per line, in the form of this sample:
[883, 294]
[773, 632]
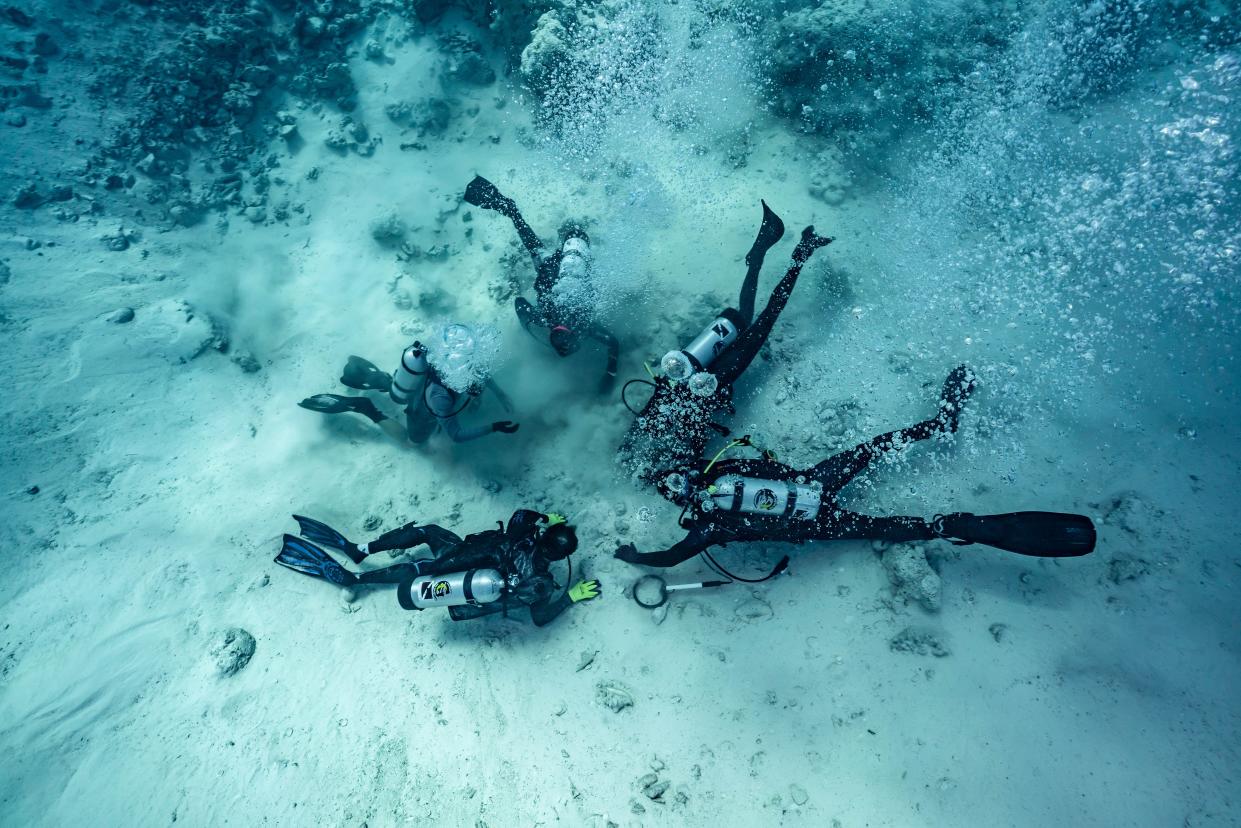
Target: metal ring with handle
[665, 588]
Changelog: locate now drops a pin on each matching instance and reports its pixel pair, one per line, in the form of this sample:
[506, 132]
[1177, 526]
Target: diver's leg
[531, 240]
[339, 404]
[769, 232]
[738, 356]
[439, 539]
[419, 423]
[836, 471]
[390, 574]
[851, 525]
[612, 346]
[528, 315]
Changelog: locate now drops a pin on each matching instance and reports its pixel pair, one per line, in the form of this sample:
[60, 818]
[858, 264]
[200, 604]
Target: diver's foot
[336, 404]
[810, 242]
[957, 389]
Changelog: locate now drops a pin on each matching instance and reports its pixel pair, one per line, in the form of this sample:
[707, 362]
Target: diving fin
[336, 404]
[319, 532]
[810, 242]
[1039, 534]
[309, 559]
[364, 376]
[482, 193]
[770, 232]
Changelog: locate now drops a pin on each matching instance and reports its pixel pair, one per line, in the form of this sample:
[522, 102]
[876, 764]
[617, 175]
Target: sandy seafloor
[165, 477]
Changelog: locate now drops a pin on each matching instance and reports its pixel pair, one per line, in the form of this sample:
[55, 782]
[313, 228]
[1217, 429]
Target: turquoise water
[210, 205]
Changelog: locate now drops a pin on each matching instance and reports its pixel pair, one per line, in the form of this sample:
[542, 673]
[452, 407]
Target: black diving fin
[303, 556]
[319, 532]
[482, 193]
[337, 404]
[770, 232]
[1039, 534]
[365, 376]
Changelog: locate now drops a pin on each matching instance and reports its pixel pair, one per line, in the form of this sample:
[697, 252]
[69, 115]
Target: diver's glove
[627, 553]
[585, 590]
[504, 426]
[553, 518]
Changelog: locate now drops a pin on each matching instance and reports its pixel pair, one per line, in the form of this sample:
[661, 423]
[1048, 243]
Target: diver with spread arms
[569, 265]
[736, 500]
[675, 425]
[481, 574]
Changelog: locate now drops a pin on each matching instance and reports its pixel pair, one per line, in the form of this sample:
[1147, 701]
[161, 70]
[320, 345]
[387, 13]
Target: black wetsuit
[513, 551]
[675, 426]
[548, 313]
[1040, 534]
[833, 522]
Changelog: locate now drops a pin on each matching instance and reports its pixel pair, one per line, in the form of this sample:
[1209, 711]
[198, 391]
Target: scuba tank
[406, 377]
[575, 257]
[795, 500]
[474, 586]
[699, 354]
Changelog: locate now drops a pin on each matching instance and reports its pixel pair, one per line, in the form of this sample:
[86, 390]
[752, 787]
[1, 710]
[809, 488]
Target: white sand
[165, 486]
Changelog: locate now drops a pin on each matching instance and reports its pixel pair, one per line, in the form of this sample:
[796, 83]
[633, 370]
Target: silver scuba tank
[575, 257]
[797, 501]
[406, 378]
[475, 586]
[699, 354]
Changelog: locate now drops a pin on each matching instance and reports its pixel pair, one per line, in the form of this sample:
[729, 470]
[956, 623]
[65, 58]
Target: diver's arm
[442, 404]
[458, 434]
[503, 398]
[602, 334]
[545, 612]
[696, 541]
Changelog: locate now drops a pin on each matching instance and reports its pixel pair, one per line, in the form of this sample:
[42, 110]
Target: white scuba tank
[575, 258]
[699, 354]
[408, 375]
[797, 501]
[475, 586]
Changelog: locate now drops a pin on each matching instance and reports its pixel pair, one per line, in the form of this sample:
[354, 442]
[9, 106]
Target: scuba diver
[764, 500]
[566, 326]
[674, 427]
[481, 574]
[433, 384]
